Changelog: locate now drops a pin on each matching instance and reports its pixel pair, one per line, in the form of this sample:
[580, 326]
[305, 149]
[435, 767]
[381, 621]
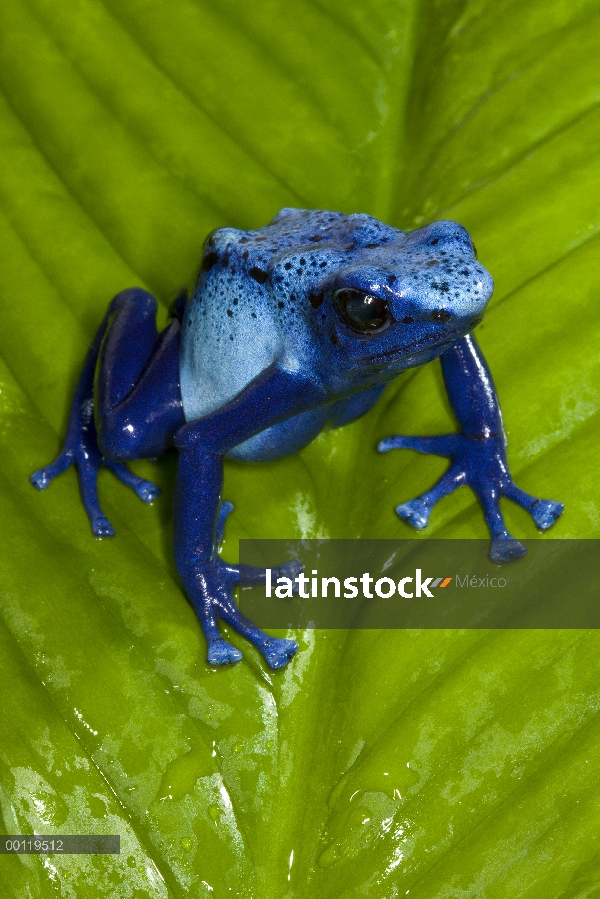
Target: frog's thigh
[284, 438]
[138, 402]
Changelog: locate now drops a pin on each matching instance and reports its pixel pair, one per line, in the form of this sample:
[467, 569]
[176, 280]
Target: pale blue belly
[284, 438]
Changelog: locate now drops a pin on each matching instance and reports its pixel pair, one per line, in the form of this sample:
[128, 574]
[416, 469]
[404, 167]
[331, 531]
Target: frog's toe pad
[147, 491]
[389, 443]
[506, 549]
[288, 569]
[40, 479]
[415, 513]
[101, 527]
[546, 512]
[222, 653]
[278, 652]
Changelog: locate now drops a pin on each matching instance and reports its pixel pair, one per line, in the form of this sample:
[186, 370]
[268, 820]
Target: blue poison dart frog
[290, 329]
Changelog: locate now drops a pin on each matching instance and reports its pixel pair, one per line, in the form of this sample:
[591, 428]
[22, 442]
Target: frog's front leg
[477, 454]
[209, 581]
[127, 403]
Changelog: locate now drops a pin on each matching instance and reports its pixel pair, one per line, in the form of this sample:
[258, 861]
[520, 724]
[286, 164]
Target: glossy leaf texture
[380, 764]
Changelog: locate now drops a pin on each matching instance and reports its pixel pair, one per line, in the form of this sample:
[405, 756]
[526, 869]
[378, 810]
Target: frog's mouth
[424, 343]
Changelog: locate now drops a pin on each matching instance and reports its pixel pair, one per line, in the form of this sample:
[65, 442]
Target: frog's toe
[40, 479]
[278, 652]
[247, 575]
[220, 653]
[389, 443]
[442, 445]
[415, 513]
[546, 512]
[225, 510]
[506, 549]
[146, 490]
[288, 569]
[44, 476]
[101, 526]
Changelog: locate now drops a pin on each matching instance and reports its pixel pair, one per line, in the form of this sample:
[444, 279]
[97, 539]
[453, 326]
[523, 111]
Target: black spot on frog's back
[258, 274]
[210, 259]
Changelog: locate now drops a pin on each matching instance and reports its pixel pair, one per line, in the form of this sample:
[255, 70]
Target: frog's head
[404, 302]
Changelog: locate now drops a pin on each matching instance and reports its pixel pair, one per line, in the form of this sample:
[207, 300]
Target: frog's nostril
[441, 315]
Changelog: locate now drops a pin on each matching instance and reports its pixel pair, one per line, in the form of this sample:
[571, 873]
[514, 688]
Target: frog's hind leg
[138, 405]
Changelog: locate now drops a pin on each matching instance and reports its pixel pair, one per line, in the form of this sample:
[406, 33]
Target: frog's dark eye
[362, 312]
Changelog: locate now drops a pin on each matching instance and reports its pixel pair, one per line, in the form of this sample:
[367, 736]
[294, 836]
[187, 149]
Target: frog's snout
[443, 304]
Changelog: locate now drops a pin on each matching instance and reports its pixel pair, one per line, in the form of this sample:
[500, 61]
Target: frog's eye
[362, 312]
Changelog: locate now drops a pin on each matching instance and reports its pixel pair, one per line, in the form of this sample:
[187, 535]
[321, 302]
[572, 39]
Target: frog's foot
[276, 651]
[212, 597]
[220, 653]
[480, 463]
[88, 461]
[147, 491]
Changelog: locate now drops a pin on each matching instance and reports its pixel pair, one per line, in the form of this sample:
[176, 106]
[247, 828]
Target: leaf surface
[430, 763]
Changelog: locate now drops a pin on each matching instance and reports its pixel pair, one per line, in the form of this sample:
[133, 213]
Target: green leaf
[379, 764]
